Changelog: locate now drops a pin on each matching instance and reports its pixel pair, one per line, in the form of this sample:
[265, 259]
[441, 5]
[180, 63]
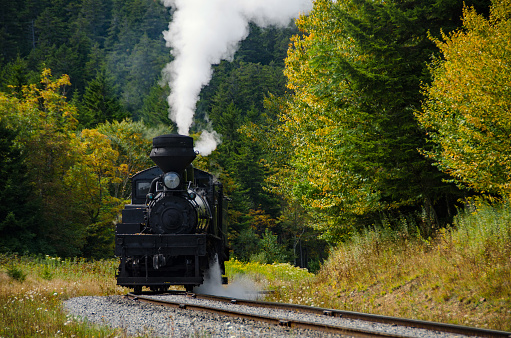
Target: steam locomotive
[176, 223]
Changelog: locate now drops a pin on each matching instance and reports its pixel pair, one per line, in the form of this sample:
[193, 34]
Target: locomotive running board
[165, 244]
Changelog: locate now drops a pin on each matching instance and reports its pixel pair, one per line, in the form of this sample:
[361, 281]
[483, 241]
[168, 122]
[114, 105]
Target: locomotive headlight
[171, 180]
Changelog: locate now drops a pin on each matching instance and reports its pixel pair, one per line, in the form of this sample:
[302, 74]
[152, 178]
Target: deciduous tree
[90, 179]
[355, 74]
[468, 110]
[44, 123]
[133, 145]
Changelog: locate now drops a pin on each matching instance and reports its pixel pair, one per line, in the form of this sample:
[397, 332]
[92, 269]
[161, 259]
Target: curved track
[184, 302]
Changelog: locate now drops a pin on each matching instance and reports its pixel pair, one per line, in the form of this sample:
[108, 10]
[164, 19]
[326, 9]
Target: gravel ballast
[139, 318]
[136, 317]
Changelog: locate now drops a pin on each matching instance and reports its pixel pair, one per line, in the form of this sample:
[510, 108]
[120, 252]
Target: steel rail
[359, 333]
[420, 324]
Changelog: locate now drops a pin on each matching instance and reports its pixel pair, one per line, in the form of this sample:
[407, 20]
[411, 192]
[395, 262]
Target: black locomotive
[175, 225]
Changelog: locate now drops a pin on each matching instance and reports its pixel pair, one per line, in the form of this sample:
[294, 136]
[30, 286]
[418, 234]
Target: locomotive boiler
[175, 225]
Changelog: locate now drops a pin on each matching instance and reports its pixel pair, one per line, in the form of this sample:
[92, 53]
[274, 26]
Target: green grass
[274, 273]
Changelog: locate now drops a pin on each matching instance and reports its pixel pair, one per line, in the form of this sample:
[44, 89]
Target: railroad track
[236, 308]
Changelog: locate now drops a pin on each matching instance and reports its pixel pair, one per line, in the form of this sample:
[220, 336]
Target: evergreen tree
[144, 63]
[93, 19]
[15, 76]
[155, 110]
[99, 103]
[19, 216]
[136, 50]
[52, 25]
[266, 45]
[14, 30]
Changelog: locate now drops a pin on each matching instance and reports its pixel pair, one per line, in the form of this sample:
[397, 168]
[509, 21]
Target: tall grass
[32, 290]
[481, 250]
[483, 230]
[461, 276]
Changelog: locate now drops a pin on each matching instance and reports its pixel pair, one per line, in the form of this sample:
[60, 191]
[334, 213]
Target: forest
[359, 114]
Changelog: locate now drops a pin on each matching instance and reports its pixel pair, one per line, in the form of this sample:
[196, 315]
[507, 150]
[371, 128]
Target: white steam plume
[204, 32]
[242, 287]
[207, 142]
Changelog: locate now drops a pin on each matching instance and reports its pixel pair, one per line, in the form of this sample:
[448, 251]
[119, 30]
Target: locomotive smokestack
[172, 152]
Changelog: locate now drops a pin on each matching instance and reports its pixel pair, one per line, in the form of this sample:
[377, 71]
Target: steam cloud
[204, 32]
[242, 288]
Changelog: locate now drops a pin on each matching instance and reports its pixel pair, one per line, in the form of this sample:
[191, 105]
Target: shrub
[16, 273]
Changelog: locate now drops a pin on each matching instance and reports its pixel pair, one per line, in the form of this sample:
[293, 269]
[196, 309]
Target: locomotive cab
[174, 227]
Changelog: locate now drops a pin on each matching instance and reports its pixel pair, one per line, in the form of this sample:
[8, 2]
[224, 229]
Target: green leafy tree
[90, 179]
[45, 123]
[356, 74]
[133, 144]
[109, 156]
[14, 76]
[271, 251]
[245, 244]
[468, 107]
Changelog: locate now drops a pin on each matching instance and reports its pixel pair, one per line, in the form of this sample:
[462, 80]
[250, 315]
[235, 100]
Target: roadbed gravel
[138, 318]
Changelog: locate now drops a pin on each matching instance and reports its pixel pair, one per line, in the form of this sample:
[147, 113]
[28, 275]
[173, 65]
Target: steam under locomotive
[175, 225]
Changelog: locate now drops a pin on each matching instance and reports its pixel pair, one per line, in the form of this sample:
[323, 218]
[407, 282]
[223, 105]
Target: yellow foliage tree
[129, 139]
[90, 179]
[80, 179]
[315, 123]
[108, 157]
[92, 175]
[45, 126]
[468, 110]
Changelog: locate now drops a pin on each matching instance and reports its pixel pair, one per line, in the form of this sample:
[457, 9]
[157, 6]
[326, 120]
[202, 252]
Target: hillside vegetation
[463, 276]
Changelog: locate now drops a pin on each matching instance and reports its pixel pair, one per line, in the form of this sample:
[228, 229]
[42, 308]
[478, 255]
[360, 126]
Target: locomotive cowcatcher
[175, 225]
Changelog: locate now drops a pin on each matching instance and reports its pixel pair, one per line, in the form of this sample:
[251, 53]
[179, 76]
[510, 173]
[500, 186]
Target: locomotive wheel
[137, 290]
[189, 288]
